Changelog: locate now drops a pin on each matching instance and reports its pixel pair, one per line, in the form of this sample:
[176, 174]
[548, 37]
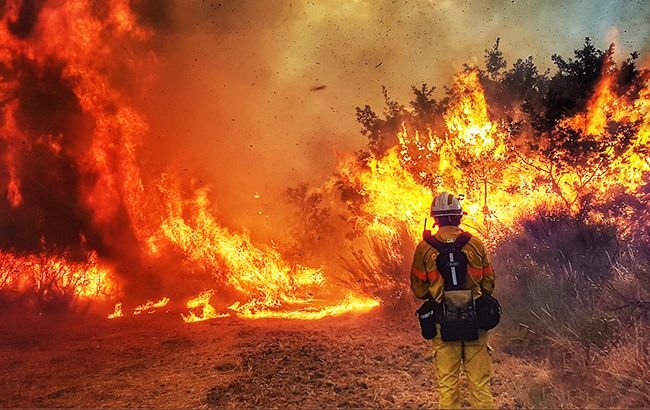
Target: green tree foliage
[494, 61]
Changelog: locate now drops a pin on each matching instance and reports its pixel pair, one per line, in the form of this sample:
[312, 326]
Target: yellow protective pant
[448, 357]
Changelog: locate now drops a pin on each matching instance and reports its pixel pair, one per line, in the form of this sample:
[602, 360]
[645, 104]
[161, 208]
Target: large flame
[474, 156]
[269, 286]
[92, 50]
[91, 44]
[607, 109]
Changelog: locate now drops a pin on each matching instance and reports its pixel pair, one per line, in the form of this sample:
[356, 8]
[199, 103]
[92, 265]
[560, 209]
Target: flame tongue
[268, 286]
[151, 306]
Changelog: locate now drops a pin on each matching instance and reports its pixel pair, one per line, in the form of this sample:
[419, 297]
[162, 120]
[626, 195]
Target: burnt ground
[158, 361]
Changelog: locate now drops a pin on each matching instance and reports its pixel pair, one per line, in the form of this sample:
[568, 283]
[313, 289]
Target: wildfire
[474, 156]
[57, 274]
[603, 104]
[207, 311]
[91, 174]
[607, 109]
[269, 285]
[117, 312]
[467, 119]
[350, 303]
[90, 48]
[151, 306]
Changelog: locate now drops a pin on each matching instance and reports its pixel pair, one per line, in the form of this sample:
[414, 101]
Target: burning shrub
[539, 166]
[382, 270]
[51, 282]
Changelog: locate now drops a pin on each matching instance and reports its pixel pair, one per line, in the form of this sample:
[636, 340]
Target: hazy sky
[236, 75]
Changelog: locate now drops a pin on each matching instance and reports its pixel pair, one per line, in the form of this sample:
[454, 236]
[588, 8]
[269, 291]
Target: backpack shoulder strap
[435, 243]
[462, 240]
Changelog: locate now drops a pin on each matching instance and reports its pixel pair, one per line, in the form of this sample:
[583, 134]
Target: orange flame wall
[83, 185]
[73, 140]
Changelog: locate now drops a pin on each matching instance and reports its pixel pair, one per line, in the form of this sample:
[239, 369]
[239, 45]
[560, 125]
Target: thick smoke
[27, 16]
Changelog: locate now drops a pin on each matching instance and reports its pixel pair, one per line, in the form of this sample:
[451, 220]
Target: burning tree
[555, 169]
[549, 139]
[512, 141]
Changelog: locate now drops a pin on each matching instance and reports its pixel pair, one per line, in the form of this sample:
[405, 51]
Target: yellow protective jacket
[425, 278]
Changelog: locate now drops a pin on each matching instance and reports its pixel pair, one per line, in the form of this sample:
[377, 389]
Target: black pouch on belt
[458, 320]
[488, 311]
[427, 316]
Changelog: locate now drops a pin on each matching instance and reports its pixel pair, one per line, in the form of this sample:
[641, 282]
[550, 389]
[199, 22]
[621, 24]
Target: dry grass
[589, 326]
[382, 269]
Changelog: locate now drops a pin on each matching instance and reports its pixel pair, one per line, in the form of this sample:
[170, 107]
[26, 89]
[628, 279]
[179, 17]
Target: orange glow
[201, 303]
[605, 107]
[602, 105]
[265, 281]
[475, 157]
[350, 303]
[117, 312]
[168, 219]
[90, 48]
[48, 273]
[151, 306]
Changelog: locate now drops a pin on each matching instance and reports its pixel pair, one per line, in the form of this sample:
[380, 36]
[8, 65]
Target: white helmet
[446, 204]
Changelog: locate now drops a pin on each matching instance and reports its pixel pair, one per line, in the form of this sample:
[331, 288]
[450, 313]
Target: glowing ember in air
[151, 306]
[117, 312]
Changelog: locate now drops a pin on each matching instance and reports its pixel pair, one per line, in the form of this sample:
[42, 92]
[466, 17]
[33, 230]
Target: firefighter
[428, 283]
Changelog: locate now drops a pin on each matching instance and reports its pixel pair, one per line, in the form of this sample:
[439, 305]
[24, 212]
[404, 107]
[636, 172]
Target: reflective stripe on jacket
[426, 279]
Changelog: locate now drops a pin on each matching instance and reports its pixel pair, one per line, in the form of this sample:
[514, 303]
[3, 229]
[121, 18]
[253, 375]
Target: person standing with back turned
[452, 268]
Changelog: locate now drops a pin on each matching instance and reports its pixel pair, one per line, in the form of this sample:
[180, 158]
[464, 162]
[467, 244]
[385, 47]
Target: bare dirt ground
[159, 361]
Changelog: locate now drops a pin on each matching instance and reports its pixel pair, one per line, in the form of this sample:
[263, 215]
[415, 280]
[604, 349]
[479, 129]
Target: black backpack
[451, 261]
[458, 319]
